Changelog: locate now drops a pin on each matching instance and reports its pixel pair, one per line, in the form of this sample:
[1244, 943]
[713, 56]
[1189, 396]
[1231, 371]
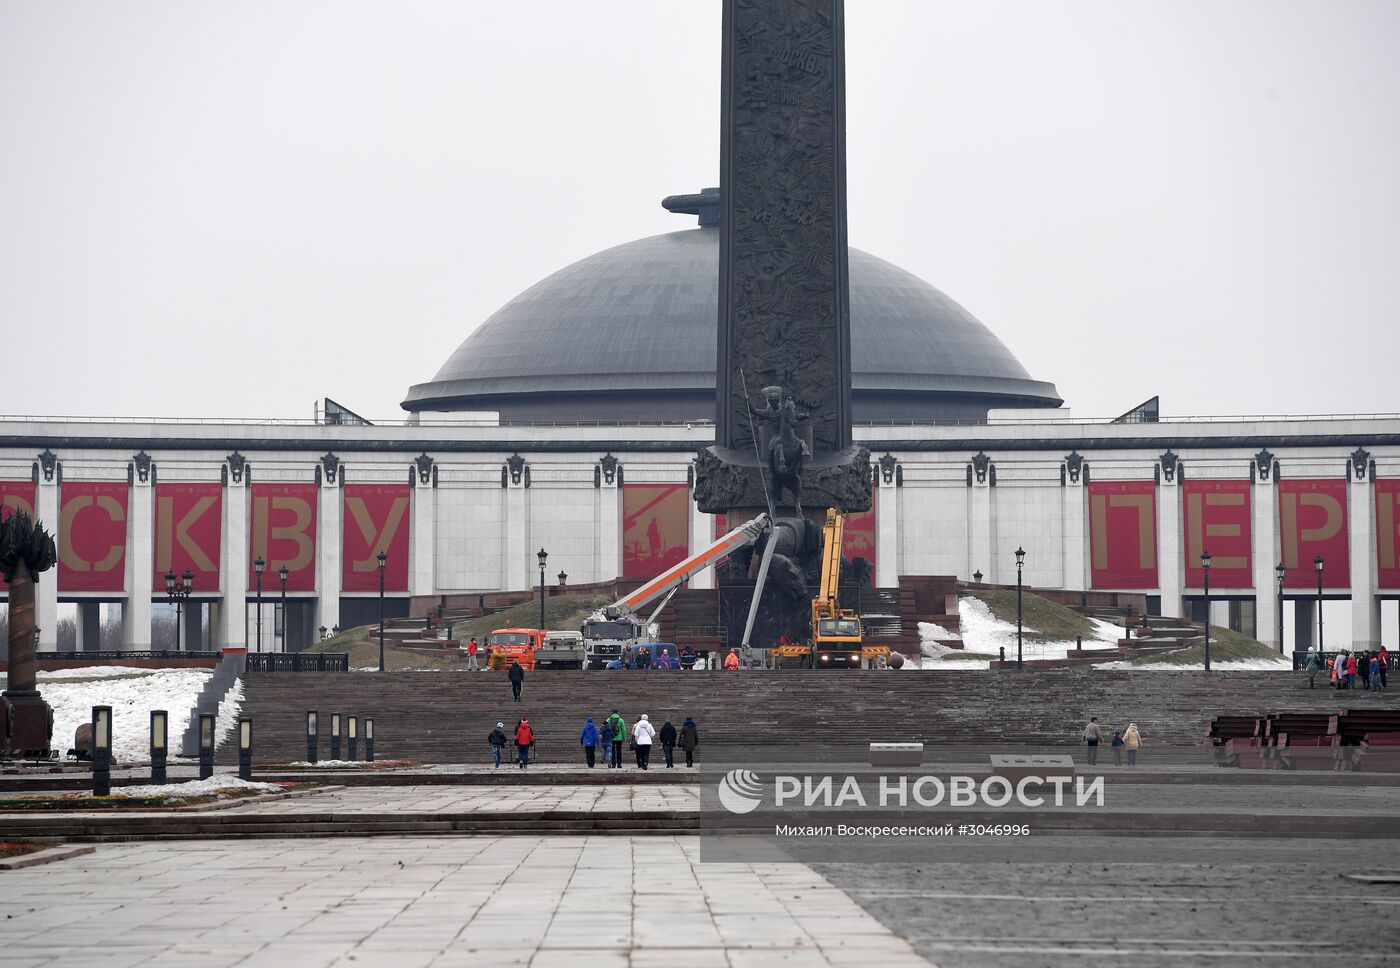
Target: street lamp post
[282, 572]
[1317, 563]
[1205, 580]
[563, 578]
[258, 566]
[1020, 563]
[977, 576]
[1279, 570]
[177, 590]
[542, 555]
[382, 559]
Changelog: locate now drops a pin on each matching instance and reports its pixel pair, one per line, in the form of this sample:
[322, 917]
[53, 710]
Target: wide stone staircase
[444, 717]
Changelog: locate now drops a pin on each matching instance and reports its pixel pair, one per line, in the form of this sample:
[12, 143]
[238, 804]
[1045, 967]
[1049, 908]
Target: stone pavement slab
[434, 902]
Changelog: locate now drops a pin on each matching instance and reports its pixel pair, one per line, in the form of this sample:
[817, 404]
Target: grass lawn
[1225, 646]
[561, 612]
[10, 849]
[1052, 622]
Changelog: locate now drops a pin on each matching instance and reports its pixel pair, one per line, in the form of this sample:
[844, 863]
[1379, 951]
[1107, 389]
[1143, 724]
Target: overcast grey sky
[216, 209]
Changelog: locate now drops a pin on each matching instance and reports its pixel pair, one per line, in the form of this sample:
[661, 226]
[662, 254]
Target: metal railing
[162, 655]
[298, 662]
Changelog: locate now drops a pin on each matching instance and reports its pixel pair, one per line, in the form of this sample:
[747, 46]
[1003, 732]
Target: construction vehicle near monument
[614, 631]
[836, 633]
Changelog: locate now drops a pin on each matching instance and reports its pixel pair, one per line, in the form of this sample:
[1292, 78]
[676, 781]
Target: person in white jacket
[643, 734]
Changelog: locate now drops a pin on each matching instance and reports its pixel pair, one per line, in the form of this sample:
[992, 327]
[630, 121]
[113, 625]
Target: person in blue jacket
[588, 739]
[607, 738]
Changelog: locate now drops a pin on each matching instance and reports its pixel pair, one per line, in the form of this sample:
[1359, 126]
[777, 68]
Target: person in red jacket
[524, 739]
[1384, 658]
[1351, 671]
[731, 661]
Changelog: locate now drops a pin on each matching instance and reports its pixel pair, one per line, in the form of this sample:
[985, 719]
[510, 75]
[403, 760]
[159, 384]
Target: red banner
[92, 536]
[1313, 521]
[858, 539]
[16, 496]
[376, 519]
[283, 533]
[655, 528]
[1217, 519]
[189, 534]
[1388, 534]
[1123, 534]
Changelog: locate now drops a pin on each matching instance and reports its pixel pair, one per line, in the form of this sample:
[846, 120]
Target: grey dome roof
[638, 320]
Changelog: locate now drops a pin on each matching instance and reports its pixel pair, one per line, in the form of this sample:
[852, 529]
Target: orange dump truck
[516, 645]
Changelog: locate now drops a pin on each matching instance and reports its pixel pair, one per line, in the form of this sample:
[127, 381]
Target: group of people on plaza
[1347, 669]
[1129, 739]
[612, 735]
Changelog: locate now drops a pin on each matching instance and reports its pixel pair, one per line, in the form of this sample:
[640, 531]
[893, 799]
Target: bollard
[1079, 643]
[352, 734]
[1002, 650]
[101, 751]
[158, 745]
[311, 737]
[245, 748]
[206, 745]
[335, 736]
[369, 740]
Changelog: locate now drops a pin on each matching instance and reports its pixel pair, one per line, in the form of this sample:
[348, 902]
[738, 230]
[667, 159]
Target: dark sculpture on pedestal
[26, 721]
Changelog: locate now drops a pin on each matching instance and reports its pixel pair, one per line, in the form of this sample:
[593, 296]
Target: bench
[896, 754]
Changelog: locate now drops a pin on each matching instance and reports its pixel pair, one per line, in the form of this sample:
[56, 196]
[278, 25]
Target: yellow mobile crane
[836, 638]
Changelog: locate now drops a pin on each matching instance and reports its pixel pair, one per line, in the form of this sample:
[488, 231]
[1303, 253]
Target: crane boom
[832, 534]
[742, 536]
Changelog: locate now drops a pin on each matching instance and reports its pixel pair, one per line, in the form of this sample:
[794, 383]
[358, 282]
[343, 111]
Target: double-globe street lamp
[1020, 563]
[177, 590]
[258, 566]
[1279, 570]
[1205, 580]
[543, 556]
[282, 573]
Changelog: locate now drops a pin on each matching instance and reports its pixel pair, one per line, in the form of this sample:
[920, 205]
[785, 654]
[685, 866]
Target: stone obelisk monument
[783, 403]
[783, 414]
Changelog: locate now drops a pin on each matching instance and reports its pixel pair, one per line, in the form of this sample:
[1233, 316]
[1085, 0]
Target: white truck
[611, 632]
[560, 650]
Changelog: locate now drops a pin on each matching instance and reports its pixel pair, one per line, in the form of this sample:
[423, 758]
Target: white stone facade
[486, 498]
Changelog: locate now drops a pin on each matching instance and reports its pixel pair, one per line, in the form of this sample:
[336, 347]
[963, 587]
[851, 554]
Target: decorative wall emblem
[143, 466]
[330, 465]
[1074, 463]
[1169, 462]
[981, 466]
[48, 461]
[1360, 464]
[236, 465]
[516, 465]
[425, 467]
[1264, 464]
[609, 465]
[888, 464]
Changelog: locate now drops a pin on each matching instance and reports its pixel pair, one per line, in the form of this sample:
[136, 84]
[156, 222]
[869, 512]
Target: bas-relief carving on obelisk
[783, 421]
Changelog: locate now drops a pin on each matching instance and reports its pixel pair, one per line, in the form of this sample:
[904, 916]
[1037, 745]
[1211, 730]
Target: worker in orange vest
[731, 661]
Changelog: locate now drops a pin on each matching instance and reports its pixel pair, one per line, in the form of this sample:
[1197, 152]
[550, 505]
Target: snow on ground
[984, 632]
[196, 788]
[92, 672]
[1236, 665]
[132, 697]
[330, 764]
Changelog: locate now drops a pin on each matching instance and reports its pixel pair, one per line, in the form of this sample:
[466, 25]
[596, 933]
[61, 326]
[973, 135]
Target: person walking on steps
[1351, 671]
[605, 737]
[731, 661]
[1311, 666]
[1092, 735]
[588, 739]
[516, 674]
[1116, 744]
[472, 650]
[1384, 657]
[524, 740]
[1377, 684]
[690, 738]
[643, 734]
[497, 739]
[619, 736]
[1132, 739]
[668, 743]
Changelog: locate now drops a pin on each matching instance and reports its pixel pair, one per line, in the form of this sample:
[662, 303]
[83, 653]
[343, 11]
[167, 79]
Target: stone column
[1074, 543]
[887, 530]
[702, 532]
[1170, 560]
[46, 584]
[979, 532]
[230, 618]
[517, 557]
[193, 619]
[1365, 606]
[1265, 551]
[609, 519]
[140, 562]
[89, 622]
[329, 526]
[1305, 623]
[422, 541]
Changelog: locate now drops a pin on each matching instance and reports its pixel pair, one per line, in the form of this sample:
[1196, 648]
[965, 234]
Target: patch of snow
[196, 788]
[932, 630]
[132, 698]
[984, 632]
[93, 672]
[329, 764]
[1234, 665]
